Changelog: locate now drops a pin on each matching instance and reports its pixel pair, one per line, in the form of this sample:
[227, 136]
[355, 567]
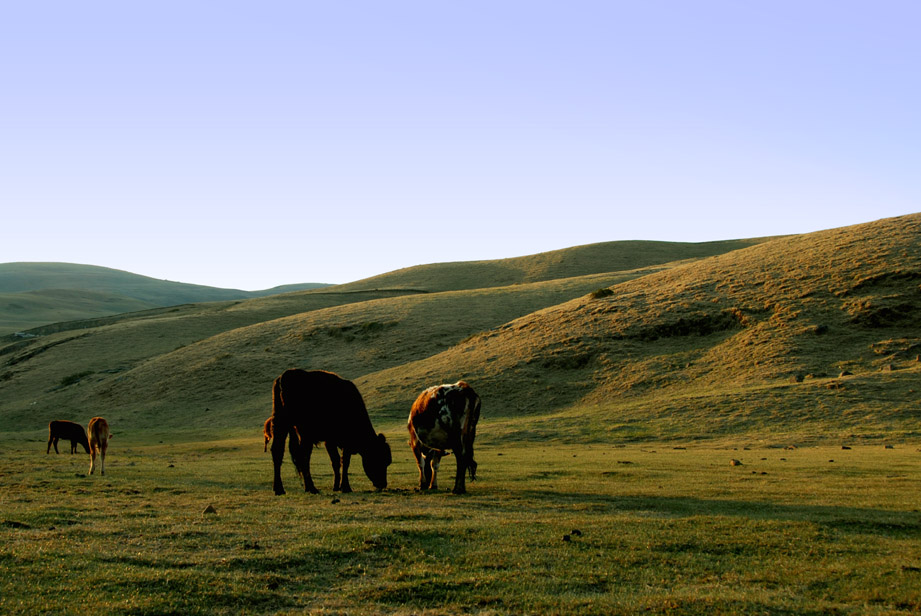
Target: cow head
[376, 460]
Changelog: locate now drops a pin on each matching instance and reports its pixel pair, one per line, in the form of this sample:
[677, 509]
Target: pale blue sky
[252, 144]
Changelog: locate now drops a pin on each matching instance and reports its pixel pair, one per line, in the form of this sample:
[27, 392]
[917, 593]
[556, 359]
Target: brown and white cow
[444, 417]
[69, 431]
[99, 442]
[318, 406]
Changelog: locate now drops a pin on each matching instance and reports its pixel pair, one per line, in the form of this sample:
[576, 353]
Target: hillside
[753, 342]
[35, 294]
[170, 366]
[817, 334]
[79, 364]
[29, 309]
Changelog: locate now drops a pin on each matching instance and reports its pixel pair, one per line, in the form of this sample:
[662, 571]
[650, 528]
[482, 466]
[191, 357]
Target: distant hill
[34, 294]
[576, 261]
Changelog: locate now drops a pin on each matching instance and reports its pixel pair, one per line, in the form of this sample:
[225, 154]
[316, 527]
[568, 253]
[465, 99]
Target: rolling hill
[811, 336]
[36, 294]
[597, 258]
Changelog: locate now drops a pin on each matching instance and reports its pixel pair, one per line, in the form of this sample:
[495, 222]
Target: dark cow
[69, 431]
[99, 442]
[316, 406]
[444, 417]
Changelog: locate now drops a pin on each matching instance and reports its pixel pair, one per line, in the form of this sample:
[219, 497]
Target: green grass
[666, 528]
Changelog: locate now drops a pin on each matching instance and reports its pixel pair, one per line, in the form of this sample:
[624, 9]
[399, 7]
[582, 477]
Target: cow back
[321, 406]
[99, 433]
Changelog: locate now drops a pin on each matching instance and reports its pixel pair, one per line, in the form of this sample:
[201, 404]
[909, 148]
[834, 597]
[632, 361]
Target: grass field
[665, 528]
[618, 383]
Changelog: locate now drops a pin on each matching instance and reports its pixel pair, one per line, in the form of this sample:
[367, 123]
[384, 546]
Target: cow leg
[73, 447]
[434, 465]
[459, 479]
[300, 452]
[468, 452]
[420, 462]
[346, 460]
[102, 458]
[92, 459]
[333, 452]
[278, 456]
[428, 470]
[50, 441]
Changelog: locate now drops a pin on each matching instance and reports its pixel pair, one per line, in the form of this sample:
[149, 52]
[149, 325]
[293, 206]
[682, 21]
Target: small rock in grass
[735, 462]
[209, 510]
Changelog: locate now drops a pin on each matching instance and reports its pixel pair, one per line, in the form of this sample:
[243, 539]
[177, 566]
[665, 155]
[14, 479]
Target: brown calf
[99, 442]
[267, 433]
[69, 431]
[444, 417]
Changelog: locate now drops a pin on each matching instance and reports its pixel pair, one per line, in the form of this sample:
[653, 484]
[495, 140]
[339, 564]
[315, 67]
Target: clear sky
[253, 144]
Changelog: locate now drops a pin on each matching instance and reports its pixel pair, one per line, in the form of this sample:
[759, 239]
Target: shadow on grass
[896, 524]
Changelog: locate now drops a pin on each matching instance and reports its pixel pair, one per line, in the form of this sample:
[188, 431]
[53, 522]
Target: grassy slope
[166, 369]
[29, 309]
[717, 345]
[138, 364]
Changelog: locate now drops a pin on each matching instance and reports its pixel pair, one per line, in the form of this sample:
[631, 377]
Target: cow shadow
[840, 518]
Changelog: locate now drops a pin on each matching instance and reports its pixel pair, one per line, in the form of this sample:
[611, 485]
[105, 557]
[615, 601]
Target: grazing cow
[99, 442]
[316, 406]
[69, 431]
[444, 417]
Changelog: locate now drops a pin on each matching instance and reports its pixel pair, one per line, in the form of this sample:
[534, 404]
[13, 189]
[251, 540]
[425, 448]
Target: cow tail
[469, 430]
[277, 401]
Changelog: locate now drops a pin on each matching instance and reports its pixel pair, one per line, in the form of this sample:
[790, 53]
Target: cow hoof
[279, 492]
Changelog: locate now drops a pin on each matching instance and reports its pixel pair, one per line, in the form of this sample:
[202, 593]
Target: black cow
[319, 406]
[69, 431]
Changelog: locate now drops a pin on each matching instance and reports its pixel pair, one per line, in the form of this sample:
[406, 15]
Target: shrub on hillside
[602, 292]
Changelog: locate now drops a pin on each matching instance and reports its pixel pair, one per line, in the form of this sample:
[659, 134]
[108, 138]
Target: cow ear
[381, 437]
